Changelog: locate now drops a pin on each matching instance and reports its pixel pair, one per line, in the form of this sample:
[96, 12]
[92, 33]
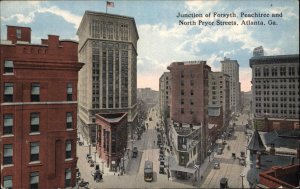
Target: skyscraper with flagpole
[108, 80]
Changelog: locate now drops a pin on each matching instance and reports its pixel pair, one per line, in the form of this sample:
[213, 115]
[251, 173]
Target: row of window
[34, 180]
[8, 122]
[275, 105]
[277, 92]
[35, 92]
[282, 99]
[34, 152]
[290, 80]
[282, 71]
[293, 86]
[276, 111]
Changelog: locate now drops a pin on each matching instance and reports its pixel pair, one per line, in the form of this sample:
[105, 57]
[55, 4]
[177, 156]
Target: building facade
[112, 137]
[231, 68]
[188, 106]
[38, 111]
[219, 94]
[164, 98]
[149, 96]
[275, 92]
[108, 80]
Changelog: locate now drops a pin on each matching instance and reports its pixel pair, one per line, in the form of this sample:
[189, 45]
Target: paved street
[229, 167]
[134, 173]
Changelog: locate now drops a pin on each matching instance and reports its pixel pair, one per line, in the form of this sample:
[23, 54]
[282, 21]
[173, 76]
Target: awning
[173, 166]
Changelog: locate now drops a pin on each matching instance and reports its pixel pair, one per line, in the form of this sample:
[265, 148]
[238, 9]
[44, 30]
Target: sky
[162, 40]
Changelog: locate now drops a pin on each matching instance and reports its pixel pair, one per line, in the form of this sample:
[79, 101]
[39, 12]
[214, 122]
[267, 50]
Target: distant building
[164, 96]
[108, 80]
[258, 51]
[149, 96]
[231, 68]
[38, 111]
[275, 92]
[188, 115]
[219, 96]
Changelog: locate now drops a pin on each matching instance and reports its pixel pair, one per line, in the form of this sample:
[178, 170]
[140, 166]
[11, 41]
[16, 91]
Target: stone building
[231, 68]
[38, 121]
[275, 92]
[108, 80]
[164, 98]
[219, 94]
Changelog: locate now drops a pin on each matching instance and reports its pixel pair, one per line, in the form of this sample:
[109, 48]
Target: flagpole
[106, 7]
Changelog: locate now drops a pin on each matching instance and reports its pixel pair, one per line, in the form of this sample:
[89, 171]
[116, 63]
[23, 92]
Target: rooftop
[256, 142]
[111, 117]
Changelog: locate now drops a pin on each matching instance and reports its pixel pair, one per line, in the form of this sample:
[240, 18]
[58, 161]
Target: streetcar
[148, 171]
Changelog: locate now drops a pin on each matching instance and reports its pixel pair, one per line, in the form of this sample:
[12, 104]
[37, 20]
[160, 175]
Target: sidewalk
[84, 149]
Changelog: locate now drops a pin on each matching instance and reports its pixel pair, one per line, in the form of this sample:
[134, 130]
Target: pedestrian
[154, 141]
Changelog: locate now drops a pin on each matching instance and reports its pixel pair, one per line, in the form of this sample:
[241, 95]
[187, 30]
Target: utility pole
[242, 175]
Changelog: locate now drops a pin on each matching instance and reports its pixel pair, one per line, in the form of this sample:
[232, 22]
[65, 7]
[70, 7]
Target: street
[229, 167]
[134, 171]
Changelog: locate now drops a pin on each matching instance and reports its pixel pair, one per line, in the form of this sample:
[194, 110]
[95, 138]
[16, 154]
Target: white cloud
[20, 18]
[66, 15]
[26, 14]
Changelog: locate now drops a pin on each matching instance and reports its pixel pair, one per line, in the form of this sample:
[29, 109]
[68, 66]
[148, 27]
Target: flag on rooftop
[110, 4]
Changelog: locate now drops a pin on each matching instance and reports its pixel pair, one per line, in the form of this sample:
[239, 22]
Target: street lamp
[95, 157]
[102, 167]
[242, 175]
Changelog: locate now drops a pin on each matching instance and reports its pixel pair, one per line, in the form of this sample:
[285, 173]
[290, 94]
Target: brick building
[38, 111]
[188, 115]
[281, 177]
[112, 138]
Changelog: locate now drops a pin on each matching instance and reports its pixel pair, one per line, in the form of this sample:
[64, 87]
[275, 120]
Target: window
[69, 120]
[68, 148]
[192, 92]
[282, 71]
[8, 154]
[35, 92]
[34, 180]
[257, 72]
[192, 83]
[69, 92]
[8, 124]
[182, 92]
[8, 66]
[266, 71]
[182, 101]
[7, 182]
[68, 174]
[18, 33]
[34, 122]
[8, 92]
[34, 151]
[182, 110]
[291, 71]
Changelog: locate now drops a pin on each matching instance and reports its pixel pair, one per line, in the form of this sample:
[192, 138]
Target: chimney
[272, 149]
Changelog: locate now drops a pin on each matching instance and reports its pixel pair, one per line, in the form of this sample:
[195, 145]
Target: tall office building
[231, 68]
[275, 92]
[218, 103]
[38, 122]
[188, 115]
[108, 80]
[164, 96]
[219, 92]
